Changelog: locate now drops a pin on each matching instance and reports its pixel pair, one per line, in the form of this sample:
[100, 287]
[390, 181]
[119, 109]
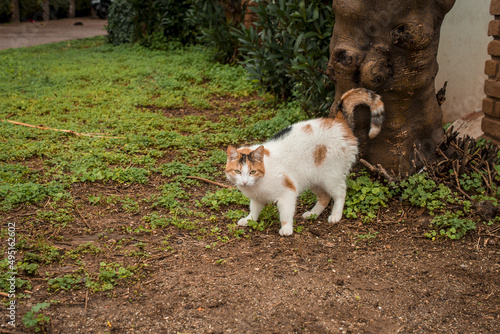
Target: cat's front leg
[286, 207]
[255, 210]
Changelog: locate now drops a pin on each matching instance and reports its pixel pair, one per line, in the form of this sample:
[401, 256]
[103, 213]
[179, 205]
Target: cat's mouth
[246, 184]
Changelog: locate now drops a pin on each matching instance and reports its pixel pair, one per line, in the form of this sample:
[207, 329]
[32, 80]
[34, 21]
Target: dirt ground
[27, 34]
[326, 279]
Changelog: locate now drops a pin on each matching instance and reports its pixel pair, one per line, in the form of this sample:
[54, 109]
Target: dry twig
[379, 170]
[209, 181]
[90, 228]
[99, 135]
[84, 322]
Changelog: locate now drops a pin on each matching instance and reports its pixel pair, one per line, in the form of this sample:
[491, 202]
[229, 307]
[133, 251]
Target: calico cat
[315, 154]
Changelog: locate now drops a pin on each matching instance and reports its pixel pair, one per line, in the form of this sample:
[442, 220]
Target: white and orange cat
[315, 154]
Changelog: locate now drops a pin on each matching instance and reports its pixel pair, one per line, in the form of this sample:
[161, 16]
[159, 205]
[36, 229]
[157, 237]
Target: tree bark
[390, 47]
[46, 10]
[72, 9]
[15, 16]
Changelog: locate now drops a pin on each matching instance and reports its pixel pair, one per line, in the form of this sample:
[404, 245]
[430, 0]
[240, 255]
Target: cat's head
[245, 166]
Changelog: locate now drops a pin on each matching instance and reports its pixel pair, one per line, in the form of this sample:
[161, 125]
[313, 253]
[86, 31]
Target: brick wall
[491, 104]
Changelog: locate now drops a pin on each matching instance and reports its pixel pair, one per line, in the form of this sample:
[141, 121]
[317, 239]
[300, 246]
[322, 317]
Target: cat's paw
[307, 214]
[286, 230]
[243, 222]
[335, 218]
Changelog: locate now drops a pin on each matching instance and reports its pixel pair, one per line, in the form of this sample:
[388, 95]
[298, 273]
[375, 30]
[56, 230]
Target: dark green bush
[60, 8]
[5, 10]
[287, 51]
[151, 23]
[215, 28]
[120, 22]
[174, 21]
[30, 10]
[154, 23]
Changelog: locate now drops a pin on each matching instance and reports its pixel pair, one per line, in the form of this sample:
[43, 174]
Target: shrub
[60, 8]
[150, 23]
[5, 10]
[286, 52]
[174, 21]
[215, 28]
[30, 9]
[120, 26]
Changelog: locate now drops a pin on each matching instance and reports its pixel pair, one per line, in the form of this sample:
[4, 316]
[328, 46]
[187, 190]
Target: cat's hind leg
[321, 204]
[255, 210]
[338, 192]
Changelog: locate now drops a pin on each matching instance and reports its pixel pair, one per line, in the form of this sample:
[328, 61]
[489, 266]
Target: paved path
[29, 34]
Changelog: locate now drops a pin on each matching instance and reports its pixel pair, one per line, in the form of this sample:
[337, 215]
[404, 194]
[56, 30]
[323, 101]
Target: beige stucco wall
[462, 55]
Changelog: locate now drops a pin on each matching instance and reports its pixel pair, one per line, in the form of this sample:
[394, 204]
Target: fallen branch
[379, 170]
[60, 130]
[458, 182]
[84, 320]
[209, 181]
[90, 228]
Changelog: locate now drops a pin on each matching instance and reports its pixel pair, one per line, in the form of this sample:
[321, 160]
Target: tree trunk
[15, 16]
[390, 47]
[72, 9]
[46, 10]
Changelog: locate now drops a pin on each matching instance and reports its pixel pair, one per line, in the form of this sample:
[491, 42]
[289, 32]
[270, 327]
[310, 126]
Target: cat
[316, 154]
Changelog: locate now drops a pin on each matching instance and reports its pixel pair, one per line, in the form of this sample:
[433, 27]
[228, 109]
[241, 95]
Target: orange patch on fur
[319, 154]
[266, 152]
[307, 129]
[288, 183]
[232, 166]
[323, 197]
[349, 136]
[379, 105]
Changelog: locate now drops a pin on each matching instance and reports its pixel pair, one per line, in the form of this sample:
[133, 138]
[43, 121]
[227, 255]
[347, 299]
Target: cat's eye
[237, 171]
[253, 172]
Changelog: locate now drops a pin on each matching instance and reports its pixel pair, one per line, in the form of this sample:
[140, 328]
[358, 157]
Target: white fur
[292, 157]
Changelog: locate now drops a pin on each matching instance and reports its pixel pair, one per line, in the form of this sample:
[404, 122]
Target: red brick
[494, 48]
[491, 68]
[488, 106]
[492, 88]
[496, 110]
[491, 127]
[491, 107]
[494, 28]
[495, 7]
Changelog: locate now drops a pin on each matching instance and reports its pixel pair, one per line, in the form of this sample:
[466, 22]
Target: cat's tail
[357, 96]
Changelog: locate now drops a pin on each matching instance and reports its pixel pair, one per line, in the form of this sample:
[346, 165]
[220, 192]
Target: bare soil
[26, 34]
[385, 277]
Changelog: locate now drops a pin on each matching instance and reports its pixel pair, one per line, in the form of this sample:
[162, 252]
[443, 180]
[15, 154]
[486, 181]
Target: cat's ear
[258, 154]
[232, 153]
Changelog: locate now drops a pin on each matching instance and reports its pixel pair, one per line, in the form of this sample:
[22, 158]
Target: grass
[122, 187]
